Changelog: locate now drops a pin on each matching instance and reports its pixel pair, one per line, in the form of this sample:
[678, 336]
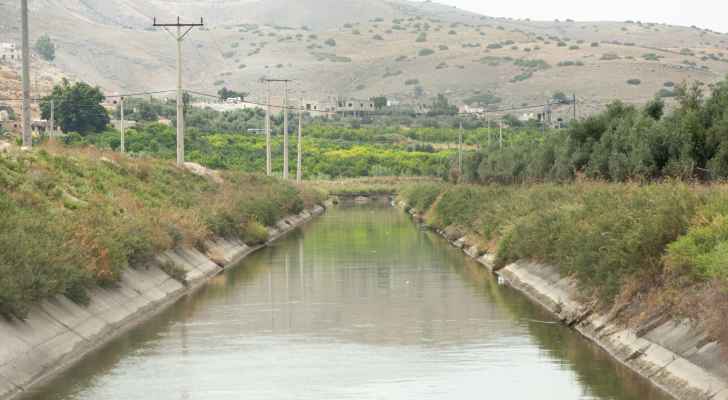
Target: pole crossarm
[178, 23]
[179, 37]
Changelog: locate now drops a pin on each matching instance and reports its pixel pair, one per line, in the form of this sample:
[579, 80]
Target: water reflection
[358, 305]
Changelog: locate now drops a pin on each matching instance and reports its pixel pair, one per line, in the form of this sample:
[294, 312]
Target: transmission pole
[460, 148]
[123, 144]
[285, 130]
[268, 164]
[27, 134]
[53, 118]
[500, 139]
[285, 127]
[299, 166]
[487, 120]
[179, 37]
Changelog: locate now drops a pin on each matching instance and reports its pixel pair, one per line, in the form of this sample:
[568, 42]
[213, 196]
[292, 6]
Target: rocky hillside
[362, 48]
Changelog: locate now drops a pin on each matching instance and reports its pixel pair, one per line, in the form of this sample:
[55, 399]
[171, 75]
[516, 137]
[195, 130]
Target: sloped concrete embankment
[675, 355]
[58, 332]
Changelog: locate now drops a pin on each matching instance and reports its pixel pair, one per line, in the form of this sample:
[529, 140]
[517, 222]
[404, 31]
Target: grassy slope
[74, 218]
[640, 249]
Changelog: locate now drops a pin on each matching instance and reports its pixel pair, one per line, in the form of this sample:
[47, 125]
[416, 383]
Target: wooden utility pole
[487, 120]
[460, 149]
[123, 144]
[27, 133]
[179, 37]
[53, 119]
[285, 127]
[500, 139]
[285, 130]
[299, 155]
[268, 163]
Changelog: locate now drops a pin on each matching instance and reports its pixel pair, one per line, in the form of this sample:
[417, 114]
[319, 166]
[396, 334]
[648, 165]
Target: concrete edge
[671, 372]
[147, 305]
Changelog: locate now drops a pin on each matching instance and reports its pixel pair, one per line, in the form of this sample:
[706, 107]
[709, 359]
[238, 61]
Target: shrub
[421, 38]
[425, 52]
[609, 57]
[410, 82]
[330, 42]
[634, 82]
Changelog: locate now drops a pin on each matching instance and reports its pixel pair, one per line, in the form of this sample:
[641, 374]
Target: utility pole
[27, 134]
[487, 120]
[53, 119]
[123, 144]
[285, 130]
[285, 126]
[460, 149]
[299, 165]
[179, 37]
[500, 140]
[268, 164]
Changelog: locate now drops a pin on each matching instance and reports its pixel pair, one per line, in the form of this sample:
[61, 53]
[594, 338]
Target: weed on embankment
[73, 218]
[664, 245]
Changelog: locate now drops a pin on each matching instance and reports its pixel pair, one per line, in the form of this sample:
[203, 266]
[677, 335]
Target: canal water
[360, 304]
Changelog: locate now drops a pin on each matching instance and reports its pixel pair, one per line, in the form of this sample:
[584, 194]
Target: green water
[360, 304]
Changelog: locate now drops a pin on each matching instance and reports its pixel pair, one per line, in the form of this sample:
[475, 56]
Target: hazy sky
[712, 14]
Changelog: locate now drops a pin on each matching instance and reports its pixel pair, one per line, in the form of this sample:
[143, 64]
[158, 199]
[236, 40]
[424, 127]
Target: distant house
[354, 106]
[9, 52]
[525, 117]
[318, 108]
[116, 123]
[234, 100]
[466, 109]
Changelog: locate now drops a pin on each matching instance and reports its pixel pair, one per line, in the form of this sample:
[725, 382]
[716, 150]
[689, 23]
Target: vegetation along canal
[360, 304]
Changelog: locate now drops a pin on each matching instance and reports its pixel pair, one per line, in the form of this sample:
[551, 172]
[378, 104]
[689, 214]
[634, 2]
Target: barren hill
[361, 48]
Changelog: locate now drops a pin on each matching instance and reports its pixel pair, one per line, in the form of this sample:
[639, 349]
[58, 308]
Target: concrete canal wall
[675, 355]
[58, 332]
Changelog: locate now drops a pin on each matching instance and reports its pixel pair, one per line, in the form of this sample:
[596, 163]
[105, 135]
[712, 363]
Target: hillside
[407, 50]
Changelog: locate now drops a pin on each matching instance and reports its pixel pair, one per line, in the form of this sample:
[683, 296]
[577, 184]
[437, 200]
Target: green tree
[45, 47]
[226, 93]
[77, 107]
[441, 106]
[380, 102]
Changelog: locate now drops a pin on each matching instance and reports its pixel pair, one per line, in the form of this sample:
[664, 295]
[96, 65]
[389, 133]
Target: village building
[9, 52]
[354, 106]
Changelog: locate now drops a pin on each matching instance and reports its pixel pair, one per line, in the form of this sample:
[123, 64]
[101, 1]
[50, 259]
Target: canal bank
[675, 355]
[358, 304]
[58, 333]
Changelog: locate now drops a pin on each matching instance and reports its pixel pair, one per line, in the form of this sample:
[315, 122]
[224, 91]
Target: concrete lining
[674, 355]
[58, 332]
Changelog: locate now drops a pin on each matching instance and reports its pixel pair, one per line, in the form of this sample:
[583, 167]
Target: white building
[354, 106]
[9, 52]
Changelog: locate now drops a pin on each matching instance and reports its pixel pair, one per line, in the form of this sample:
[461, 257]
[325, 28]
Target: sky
[711, 14]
